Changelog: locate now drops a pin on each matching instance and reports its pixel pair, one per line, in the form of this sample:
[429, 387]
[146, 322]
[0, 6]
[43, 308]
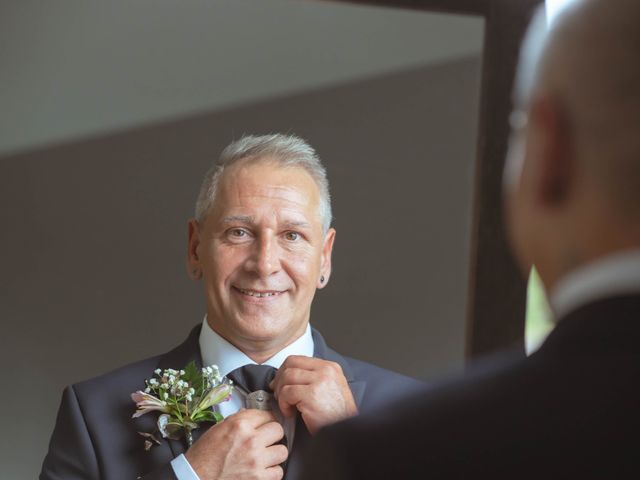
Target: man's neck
[261, 350]
[217, 349]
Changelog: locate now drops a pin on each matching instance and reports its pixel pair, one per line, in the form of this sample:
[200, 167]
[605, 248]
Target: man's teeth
[258, 294]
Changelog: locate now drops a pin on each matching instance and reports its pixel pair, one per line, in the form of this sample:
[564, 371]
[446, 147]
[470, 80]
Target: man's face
[262, 253]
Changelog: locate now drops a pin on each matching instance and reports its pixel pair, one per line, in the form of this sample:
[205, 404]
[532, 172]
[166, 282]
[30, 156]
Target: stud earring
[322, 279]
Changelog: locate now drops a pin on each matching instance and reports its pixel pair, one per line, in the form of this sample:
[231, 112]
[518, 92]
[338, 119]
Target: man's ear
[325, 265]
[194, 268]
[554, 151]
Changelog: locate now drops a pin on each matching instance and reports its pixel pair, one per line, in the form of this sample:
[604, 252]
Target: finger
[291, 396]
[292, 376]
[275, 455]
[304, 362]
[252, 417]
[274, 473]
[269, 433]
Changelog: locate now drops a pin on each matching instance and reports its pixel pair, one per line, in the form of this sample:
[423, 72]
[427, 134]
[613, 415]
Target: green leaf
[206, 416]
[194, 376]
[191, 373]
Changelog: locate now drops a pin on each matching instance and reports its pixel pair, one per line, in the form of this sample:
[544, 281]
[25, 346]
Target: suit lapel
[321, 350]
[158, 455]
[296, 456]
[178, 358]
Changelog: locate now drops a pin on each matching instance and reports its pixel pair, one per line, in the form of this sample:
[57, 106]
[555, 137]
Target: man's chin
[270, 332]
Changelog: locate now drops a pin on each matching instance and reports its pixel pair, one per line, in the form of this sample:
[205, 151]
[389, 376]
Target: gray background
[98, 178]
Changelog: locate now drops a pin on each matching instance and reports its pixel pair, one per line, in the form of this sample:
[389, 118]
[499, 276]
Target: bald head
[590, 65]
[572, 176]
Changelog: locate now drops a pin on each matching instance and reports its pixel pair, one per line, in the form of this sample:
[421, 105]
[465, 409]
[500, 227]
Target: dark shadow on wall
[94, 232]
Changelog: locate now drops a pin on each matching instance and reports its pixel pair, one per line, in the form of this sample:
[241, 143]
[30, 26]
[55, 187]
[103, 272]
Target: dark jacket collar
[186, 352]
[608, 326]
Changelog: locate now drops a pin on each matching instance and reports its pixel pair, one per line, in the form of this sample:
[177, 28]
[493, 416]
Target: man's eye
[292, 236]
[238, 233]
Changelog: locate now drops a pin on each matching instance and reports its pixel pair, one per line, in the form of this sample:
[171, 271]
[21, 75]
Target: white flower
[175, 398]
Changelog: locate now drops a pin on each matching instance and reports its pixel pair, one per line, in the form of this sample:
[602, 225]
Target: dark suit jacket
[571, 410]
[95, 436]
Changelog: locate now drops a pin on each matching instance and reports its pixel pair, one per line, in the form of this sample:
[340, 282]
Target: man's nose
[265, 259]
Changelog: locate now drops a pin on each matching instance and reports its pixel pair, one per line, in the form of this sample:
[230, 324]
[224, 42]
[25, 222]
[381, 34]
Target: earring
[195, 271]
[322, 279]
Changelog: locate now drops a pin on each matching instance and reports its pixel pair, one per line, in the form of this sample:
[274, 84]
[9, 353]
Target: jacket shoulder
[129, 377]
[382, 386]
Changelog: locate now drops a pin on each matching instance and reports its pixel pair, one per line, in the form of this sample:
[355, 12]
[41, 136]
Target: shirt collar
[217, 351]
[614, 274]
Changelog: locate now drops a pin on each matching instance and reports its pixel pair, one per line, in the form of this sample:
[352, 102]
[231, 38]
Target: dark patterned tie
[254, 378]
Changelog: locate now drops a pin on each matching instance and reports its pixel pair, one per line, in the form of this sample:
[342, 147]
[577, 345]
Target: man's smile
[248, 292]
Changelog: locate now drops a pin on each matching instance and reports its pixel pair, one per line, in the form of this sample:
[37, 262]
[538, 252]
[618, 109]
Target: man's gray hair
[284, 150]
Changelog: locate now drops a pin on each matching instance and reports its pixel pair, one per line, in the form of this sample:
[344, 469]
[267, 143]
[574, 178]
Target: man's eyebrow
[238, 219]
[297, 224]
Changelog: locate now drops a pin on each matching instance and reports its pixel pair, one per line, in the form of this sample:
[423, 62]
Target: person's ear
[554, 152]
[325, 265]
[194, 267]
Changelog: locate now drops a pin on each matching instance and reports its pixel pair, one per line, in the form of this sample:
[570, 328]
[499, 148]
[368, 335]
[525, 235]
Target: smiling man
[261, 245]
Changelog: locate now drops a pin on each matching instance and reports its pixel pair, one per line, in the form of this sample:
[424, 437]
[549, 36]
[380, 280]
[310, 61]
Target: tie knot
[253, 377]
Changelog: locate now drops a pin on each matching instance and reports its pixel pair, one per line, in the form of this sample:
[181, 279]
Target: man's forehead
[249, 192]
[271, 182]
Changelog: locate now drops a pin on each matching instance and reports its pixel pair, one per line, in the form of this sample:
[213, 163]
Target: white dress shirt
[614, 274]
[216, 350]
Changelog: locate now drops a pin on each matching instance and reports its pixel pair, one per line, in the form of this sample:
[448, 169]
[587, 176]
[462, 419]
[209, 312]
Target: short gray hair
[284, 150]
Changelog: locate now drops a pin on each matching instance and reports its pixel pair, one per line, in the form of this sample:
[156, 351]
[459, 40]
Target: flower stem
[189, 436]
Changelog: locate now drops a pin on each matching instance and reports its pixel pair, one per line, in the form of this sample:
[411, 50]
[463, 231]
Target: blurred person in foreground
[572, 192]
[261, 244]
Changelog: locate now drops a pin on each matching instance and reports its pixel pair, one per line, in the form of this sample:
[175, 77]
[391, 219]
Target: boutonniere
[184, 398]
